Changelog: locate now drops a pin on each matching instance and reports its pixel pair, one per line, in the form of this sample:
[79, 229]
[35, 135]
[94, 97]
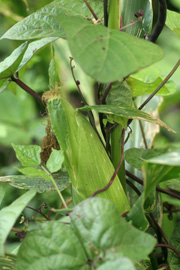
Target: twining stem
[106, 92]
[106, 13]
[160, 22]
[117, 169]
[170, 247]
[141, 182]
[56, 187]
[26, 88]
[38, 211]
[91, 10]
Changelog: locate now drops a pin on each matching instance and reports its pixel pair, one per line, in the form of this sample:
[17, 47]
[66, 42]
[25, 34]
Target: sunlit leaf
[45, 23]
[28, 155]
[116, 54]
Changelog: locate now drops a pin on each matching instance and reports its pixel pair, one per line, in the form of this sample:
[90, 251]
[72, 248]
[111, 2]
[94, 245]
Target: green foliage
[9, 215]
[96, 148]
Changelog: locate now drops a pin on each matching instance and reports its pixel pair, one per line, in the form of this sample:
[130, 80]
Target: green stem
[116, 135]
[56, 187]
[114, 14]
[116, 140]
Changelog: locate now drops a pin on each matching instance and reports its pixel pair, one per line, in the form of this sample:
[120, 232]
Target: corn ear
[86, 160]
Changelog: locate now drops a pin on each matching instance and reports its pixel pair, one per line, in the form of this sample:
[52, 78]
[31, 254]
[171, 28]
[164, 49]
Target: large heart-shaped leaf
[99, 227]
[105, 54]
[44, 22]
[52, 246]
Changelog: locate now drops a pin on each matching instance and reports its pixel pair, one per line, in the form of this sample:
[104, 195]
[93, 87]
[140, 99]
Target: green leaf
[30, 182]
[161, 168]
[45, 22]
[116, 54]
[117, 263]
[174, 184]
[28, 155]
[172, 21]
[10, 214]
[32, 48]
[118, 112]
[136, 156]
[97, 223]
[137, 214]
[53, 245]
[140, 88]
[8, 261]
[120, 94]
[2, 193]
[29, 171]
[174, 260]
[11, 63]
[89, 167]
[55, 161]
[129, 8]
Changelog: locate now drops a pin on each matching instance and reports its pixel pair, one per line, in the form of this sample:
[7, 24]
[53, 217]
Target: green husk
[86, 160]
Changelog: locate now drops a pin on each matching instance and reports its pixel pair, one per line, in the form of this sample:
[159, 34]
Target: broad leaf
[89, 167]
[55, 161]
[28, 155]
[140, 88]
[116, 54]
[10, 214]
[174, 260]
[116, 262]
[53, 245]
[116, 113]
[30, 182]
[173, 22]
[136, 156]
[120, 94]
[11, 63]
[98, 225]
[45, 23]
